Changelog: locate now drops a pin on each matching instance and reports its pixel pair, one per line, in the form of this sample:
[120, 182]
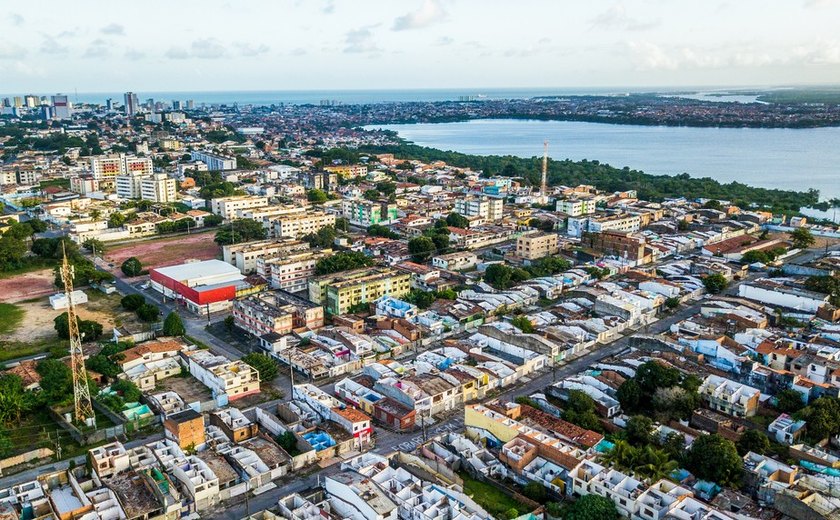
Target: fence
[23, 458]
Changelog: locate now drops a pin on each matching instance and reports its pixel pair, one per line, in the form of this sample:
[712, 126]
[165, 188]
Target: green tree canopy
[264, 364]
[802, 238]
[316, 196]
[132, 302]
[591, 507]
[132, 267]
[421, 248]
[753, 441]
[173, 325]
[457, 220]
[238, 231]
[711, 457]
[343, 261]
[715, 283]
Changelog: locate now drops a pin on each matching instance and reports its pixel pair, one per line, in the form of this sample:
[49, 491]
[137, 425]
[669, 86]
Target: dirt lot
[38, 319]
[26, 286]
[165, 251]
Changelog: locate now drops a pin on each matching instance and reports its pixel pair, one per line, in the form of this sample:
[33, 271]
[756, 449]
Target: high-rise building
[131, 103]
[176, 105]
[109, 104]
[18, 102]
[62, 109]
[190, 104]
[106, 168]
[30, 101]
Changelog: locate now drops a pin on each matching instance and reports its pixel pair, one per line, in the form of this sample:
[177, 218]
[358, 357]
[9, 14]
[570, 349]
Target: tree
[371, 195]
[672, 302]
[148, 312]
[132, 302]
[288, 442]
[316, 196]
[377, 230]
[522, 323]
[12, 252]
[499, 276]
[229, 322]
[653, 464]
[651, 375]
[14, 400]
[457, 220]
[789, 401]
[323, 238]
[132, 267]
[535, 491]
[711, 457]
[173, 325]
[715, 283]
[343, 261]
[823, 418]
[127, 389]
[103, 365]
[753, 441]
[88, 329]
[802, 238]
[580, 410]
[421, 299]
[242, 230]
[421, 248]
[264, 364]
[755, 256]
[116, 220]
[639, 430]
[94, 246]
[56, 380]
[629, 395]
[591, 507]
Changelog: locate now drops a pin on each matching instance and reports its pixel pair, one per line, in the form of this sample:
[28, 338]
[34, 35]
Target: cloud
[816, 4]
[134, 54]
[247, 49]
[616, 18]
[51, 46]
[329, 7]
[360, 40]
[97, 49]
[207, 49]
[177, 53]
[203, 49]
[16, 19]
[113, 29]
[9, 50]
[429, 13]
[444, 41]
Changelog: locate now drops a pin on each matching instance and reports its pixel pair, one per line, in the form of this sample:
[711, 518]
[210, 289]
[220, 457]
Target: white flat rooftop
[203, 269]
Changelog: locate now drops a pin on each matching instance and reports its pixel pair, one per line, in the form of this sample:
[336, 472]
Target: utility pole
[207, 306]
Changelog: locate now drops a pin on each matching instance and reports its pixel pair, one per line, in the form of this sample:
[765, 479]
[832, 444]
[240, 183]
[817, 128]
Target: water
[789, 159]
[269, 97]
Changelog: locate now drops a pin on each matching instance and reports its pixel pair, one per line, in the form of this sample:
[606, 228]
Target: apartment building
[341, 291]
[458, 261]
[158, 187]
[348, 171]
[214, 161]
[127, 185]
[487, 208]
[228, 207]
[625, 245]
[198, 480]
[246, 255]
[81, 184]
[366, 213]
[729, 397]
[234, 379]
[105, 168]
[537, 245]
[576, 207]
[291, 271]
[577, 226]
[299, 225]
[265, 214]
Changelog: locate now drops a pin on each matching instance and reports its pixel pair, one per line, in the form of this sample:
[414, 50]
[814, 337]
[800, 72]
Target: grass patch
[30, 264]
[17, 349]
[492, 499]
[10, 317]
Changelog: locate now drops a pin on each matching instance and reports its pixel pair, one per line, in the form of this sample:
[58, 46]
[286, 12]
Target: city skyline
[379, 45]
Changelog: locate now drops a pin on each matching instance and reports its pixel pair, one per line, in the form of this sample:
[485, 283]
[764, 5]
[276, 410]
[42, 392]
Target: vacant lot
[189, 388]
[38, 315]
[164, 251]
[26, 286]
[10, 317]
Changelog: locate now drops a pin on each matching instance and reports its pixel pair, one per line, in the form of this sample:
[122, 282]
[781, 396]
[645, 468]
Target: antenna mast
[544, 183]
[81, 391]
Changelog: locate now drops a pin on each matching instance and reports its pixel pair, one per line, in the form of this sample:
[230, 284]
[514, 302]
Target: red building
[207, 286]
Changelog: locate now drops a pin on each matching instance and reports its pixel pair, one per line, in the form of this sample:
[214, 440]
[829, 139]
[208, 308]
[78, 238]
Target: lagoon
[789, 159]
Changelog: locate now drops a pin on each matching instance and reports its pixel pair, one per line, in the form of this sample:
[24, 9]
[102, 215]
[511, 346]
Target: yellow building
[348, 170]
[537, 245]
[341, 291]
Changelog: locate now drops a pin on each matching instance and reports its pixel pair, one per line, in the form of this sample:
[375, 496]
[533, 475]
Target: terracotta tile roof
[142, 349]
[351, 414]
[565, 429]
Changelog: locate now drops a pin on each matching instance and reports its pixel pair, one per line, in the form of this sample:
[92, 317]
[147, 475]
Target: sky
[205, 45]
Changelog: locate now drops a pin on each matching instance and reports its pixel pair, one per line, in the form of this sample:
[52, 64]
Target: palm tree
[623, 455]
[654, 464]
